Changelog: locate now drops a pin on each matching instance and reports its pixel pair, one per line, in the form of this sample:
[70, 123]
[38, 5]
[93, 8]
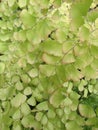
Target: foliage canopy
[48, 64]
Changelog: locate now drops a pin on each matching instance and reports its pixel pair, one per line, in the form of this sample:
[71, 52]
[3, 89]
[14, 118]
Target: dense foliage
[48, 65]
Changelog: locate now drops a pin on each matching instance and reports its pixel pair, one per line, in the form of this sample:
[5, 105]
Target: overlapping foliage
[48, 65]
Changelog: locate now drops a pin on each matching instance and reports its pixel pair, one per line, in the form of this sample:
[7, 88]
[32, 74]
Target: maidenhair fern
[48, 65]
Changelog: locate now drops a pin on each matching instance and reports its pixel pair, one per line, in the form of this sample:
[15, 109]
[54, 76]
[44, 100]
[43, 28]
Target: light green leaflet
[25, 109]
[79, 10]
[3, 47]
[33, 73]
[27, 19]
[44, 26]
[2, 67]
[86, 111]
[52, 47]
[29, 122]
[71, 125]
[44, 120]
[47, 70]
[51, 114]
[68, 58]
[22, 3]
[28, 91]
[18, 100]
[17, 127]
[39, 116]
[31, 101]
[42, 106]
[11, 3]
[50, 59]
[56, 98]
[17, 115]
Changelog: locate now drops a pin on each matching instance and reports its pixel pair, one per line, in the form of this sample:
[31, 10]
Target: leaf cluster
[48, 64]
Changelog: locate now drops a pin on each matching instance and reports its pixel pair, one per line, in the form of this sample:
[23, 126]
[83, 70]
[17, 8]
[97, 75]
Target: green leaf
[57, 3]
[11, 3]
[44, 3]
[44, 120]
[72, 73]
[5, 37]
[18, 100]
[92, 15]
[81, 49]
[89, 72]
[33, 73]
[27, 91]
[15, 78]
[39, 116]
[25, 78]
[56, 98]
[94, 64]
[19, 86]
[29, 122]
[68, 58]
[5, 127]
[83, 60]
[2, 67]
[22, 3]
[51, 114]
[31, 101]
[74, 116]
[61, 35]
[52, 47]
[67, 46]
[3, 93]
[59, 112]
[17, 126]
[6, 120]
[20, 36]
[96, 22]
[70, 86]
[94, 51]
[81, 87]
[67, 101]
[38, 95]
[47, 70]
[94, 128]
[17, 115]
[74, 96]
[31, 58]
[96, 110]
[93, 81]
[86, 111]
[92, 121]
[67, 110]
[90, 88]
[25, 109]
[42, 106]
[61, 73]
[6, 93]
[40, 32]
[84, 33]
[80, 121]
[71, 125]
[27, 19]
[33, 36]
[50, 126]
[74, 105]
[93, 39]
[78, 10]
[50, 59]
